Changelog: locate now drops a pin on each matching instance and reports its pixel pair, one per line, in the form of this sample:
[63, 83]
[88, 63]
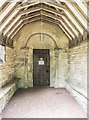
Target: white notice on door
[41, 63]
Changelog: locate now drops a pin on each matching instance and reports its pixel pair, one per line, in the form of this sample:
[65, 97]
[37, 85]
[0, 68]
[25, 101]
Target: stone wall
[7, 69]
[76, 84]
[7, 77]
[54, 38]
[61, 68]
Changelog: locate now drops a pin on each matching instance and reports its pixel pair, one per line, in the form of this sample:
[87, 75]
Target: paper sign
[41, 63]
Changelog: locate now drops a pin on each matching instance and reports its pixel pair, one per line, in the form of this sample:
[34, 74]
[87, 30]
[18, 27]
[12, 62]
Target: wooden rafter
[69, 27]
[15, 29]
[39, 7]
[56, 18]
[26, 5]
[78, 20]
[75, 21]
[43, 12]
[33, 10]
[13, 18]
[80, 10]
[39, 19]
[3, 7]
[12, 27]
[72, 23]
[53, 4]
[9, 13]
[46, 18]
[81, 13]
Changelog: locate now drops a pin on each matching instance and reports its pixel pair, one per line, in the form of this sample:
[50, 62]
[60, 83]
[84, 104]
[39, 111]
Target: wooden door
[41, 67]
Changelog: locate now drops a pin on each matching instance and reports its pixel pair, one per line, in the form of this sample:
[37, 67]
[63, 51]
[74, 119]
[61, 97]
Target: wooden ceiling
[70, 16]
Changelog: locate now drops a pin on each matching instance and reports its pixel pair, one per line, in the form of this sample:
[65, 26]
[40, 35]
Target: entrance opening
[41, 67]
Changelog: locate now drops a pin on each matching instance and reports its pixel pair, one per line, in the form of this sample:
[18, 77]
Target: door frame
[49, 66]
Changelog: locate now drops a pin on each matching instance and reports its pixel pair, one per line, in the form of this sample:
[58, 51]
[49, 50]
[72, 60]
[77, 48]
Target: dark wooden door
[41, 67]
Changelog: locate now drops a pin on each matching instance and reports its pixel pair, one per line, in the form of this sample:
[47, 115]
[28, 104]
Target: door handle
[47, 71]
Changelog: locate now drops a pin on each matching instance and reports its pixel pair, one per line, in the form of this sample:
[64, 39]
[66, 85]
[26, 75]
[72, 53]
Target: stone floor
[43, 103]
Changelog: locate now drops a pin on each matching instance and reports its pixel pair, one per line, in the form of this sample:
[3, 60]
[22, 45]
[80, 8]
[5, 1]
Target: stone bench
[6, 93]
